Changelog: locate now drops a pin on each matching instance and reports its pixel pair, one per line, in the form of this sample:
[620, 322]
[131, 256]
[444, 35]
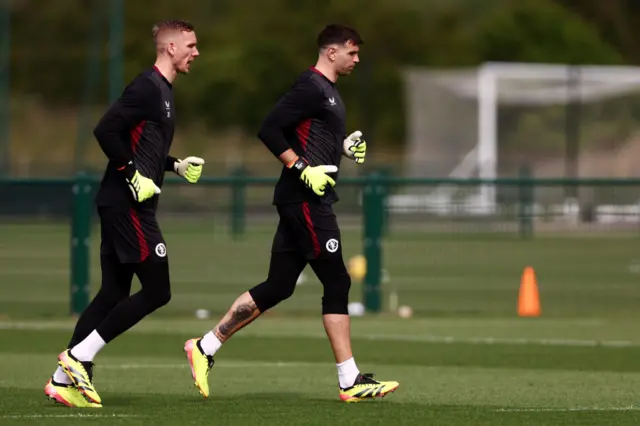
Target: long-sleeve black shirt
[138, 127]
[310, 119]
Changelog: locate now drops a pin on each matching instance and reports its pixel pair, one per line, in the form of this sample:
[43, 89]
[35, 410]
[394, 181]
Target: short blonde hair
[171, 25]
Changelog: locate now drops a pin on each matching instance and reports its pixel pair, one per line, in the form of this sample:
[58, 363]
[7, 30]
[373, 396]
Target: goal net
[486, 122]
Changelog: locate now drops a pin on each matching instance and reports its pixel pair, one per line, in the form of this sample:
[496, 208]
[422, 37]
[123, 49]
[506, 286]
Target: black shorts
[308, 228]
[133, 235]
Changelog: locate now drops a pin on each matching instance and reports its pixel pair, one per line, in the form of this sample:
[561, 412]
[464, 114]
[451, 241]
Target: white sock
[89, 347]
[61, 377]
[347, 373]
[210, 343]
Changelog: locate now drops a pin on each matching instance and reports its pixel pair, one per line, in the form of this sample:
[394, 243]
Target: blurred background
[503, 133]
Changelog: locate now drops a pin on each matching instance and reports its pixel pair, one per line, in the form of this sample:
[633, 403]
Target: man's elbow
[99, 133]
[273, 140]
[264, 134]
[270, 126]
[268, 137]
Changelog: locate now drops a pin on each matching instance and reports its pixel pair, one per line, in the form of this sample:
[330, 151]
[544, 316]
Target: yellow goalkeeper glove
[142, 188]
[315, 177]
[355, 147]
[190, 168]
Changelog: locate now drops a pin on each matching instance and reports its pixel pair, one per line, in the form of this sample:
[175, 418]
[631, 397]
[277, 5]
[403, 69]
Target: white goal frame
[484, 84]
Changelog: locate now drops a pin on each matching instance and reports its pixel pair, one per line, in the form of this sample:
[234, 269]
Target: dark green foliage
[253, 49]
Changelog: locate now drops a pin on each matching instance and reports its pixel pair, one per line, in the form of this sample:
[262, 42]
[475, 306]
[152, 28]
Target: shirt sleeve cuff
[169, 165]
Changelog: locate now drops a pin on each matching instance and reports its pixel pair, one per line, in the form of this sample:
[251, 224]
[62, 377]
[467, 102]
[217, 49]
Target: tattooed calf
[238, 318]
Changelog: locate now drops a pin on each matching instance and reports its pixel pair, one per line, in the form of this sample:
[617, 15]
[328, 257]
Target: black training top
[137, 128]
[310, 119]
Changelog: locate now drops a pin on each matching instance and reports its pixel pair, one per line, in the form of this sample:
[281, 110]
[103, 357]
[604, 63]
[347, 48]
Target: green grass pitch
[465, 358]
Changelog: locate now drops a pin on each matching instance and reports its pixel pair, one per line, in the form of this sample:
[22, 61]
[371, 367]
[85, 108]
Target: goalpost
[484, 122]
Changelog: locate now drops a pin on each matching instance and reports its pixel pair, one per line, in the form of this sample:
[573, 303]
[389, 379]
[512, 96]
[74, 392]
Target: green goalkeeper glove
[315, 177]
[354, 147]
[141, 187]
[190, 168]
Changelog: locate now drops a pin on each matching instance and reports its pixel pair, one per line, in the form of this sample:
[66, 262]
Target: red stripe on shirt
[136, 134]
[303, 133]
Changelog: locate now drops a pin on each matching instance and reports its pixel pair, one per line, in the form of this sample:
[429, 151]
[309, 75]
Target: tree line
[251, 50]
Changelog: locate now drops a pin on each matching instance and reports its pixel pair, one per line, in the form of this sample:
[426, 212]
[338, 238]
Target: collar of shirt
[162, 76]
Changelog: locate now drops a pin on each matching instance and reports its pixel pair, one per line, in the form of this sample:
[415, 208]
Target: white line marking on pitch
[220, 364]
[389, 337]
[560, 410]
[64, 416]
[504, 341]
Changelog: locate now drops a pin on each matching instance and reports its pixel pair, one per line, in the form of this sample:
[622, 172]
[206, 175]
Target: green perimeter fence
[436, 245]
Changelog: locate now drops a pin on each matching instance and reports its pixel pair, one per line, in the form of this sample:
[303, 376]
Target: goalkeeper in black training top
[136, 135]
[306, 131]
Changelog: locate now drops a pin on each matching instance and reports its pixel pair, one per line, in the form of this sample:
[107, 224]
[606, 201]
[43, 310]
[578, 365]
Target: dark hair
[338, 34]
[172, 25]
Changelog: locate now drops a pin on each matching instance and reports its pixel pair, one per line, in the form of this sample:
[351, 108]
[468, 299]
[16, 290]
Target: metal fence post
[116, 60]
[525, 205]
[238, 202]
[5, 103]
[80, 239]
[373, 203]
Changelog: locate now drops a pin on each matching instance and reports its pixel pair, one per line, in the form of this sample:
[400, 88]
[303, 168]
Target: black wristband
[299, 165]
[128, 170]
[169, 165]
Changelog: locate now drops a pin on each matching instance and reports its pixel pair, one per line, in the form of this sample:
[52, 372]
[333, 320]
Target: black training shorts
[308, 228]
[133, 235]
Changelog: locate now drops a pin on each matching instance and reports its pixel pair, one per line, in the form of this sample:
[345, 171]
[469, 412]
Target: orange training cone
[528, 298]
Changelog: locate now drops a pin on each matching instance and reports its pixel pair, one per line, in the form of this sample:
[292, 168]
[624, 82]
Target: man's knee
[158, 299]
[336, 294]
[269, 293]
[284, 270]
[155, 282]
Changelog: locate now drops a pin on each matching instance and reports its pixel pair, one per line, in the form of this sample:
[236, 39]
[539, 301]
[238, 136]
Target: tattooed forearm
[238, 318]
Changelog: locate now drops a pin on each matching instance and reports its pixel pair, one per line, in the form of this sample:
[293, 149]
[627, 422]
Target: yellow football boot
[67, 395]
[365, 387]
[200, 364]
[81, 374]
